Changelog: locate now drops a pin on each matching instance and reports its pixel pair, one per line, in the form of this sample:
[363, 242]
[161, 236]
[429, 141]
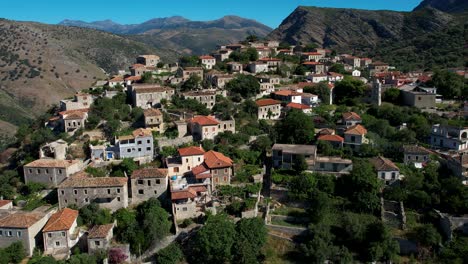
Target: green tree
[92, 214]
[189, 61]
[171, 254]
[348, 91]
[321, 89]
[147, 77]
[302, 186]
[251, 237]
[338, 68]
[299, 164]
[192, 83]
[155, 220]
[426, 235]
[214, 242]
[448, 84]
[245, 85]
[392, 95]
[251, 38]
[295, 128]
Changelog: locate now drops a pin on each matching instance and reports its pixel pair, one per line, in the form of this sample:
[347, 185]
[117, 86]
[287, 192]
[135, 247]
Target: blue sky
[269, 12]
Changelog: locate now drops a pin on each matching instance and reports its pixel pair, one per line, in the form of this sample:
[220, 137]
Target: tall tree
[245, 85]
[295, 128]
[250, 238]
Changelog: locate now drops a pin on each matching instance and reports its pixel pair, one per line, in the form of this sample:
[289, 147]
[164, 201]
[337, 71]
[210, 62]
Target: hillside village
[291, 136]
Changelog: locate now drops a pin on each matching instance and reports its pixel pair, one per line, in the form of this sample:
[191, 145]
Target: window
[353, 139]
[148, 141]
[149, 182]
[1, 232]
[225, 170]
[176, 169]
[97, 243]
[225, 179]
[108, 191]
[184, 209]
[57, 243]
[155, 192]
[186, 160]
[139, 149]
[322, 165]
[118, 199]
[9, 233]
[393, 175]
[86, 200]
[382, 175]
[140, 182]
[47, 171]
[118, 190]
[158, 181]
[148, 148]
[85, 191]
[63, 234]
[141, 191]
[60, 171]
[75, 191]
[30, 170]
[139, 142]
[66, 201]
[62, 192]
[38, 171]
[129, 150]
[199, 159]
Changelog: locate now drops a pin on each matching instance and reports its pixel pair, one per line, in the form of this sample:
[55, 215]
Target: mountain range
[180, 34]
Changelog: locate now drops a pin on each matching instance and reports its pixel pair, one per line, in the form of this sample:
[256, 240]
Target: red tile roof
[100, 231]
[84, 182]
[205, 120]
[335, 74]
[265, 102]
[134, 66]
[215, 160]
[141, 132]
[117, 79]
[149, 173]
[298, 106]
[4, 202]
[335, 138]
[384, 164]
[200, 169]
[312, 63]
[206, 57]
[133, 78]
[20, 220]
[152, 112]
[356, 130]
[191, 151]
[351, 116]
[287, 93]
[311, 53]
[51, 163]
[61, 220]
[269, 59]
[184, 194]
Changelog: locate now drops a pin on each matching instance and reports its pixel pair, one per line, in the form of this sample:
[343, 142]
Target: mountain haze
[180, 34]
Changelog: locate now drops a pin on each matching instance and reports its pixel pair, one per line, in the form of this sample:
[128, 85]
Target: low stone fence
[290, 230]
[167, 142]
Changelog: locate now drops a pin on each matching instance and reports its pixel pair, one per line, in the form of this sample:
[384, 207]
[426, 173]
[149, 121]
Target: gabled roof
[200, 169]
[51, 163]
[215, 160]
[61, 220]
[100, 231]
[312, 63]
[5, 202]
[152, 112]
[351, 116]
[335, 138]
[184, 194]
[117, 79]
[191, 151]
[205, 120]
[265, 102]
[287, 93]
[206, 57]
[356, 130]
[298, 106]
[142, 132]
[383, 164]
[326, 131]
[415, 149]
[83, 182]
[20, 220]
[149, 173]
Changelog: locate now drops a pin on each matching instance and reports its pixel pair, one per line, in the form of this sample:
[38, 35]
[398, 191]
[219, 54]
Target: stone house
[268, 109]
[235, 67]
[349, 119]
[315, 67]
[284, 155]
[24, 227]
[301, 107]
[386, 169]
[355, 62]
[222, 54]
[266, 89]
[417, 155]
[258, 67]
[149, 95]
[309, 99]
[418, 97]
[333, 165]
[317, 78]
[216, 167]
[117, 80]
[72, 120]
[207, 97]
[288, 96]
[458, 164]
[220, 80]
[138, 145]
[138, 69]
[273, 63]
[187, 159]
[99, 238]
[148, 60]
[61, 232]
[147, 183]
[335, 140]
[154, 120]
[271, 79]
[207, 61]
[263, 52]
[208, 127]
[188, 202]
[79, 101]
[312, 56]
[378, 67]
[449, 137]
[335, 77]
[355, 136]
[50, 172]
[365, 62]
[81, 190]
[186, 72]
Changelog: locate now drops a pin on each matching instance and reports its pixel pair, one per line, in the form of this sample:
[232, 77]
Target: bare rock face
[449, 6]
[352, 29]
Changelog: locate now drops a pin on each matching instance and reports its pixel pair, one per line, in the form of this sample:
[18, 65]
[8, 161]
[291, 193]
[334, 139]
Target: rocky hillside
[181, 34]
[41, 64]
[449, 6]
[350, 29]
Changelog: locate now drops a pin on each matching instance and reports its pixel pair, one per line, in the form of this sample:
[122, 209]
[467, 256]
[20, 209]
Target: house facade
[207, 98]
[154, 120]
[417, 155]
[107, 192]
[284, 155]
[148, 60]
[149, 95]
[268, 109]
[61, 232]
[138, 146]
[79, 101]
[208, 62]
[208, 127]
[355, 136]
[449, 137]
[147, 183]
[50, 172]
[99, 238]
[386, 169]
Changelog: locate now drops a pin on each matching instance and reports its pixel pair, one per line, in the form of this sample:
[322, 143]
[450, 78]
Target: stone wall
[166, 142]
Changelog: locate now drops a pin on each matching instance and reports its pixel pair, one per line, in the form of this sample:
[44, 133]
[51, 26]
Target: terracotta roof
[184, 194]
[152, 112]
[100, 231]
[265, 102]
[331, 138]
[83, 182]
[326, 131]
[142, 132]
[199, 188]
[215, 159]
[133, 78]
[191, 151]
[151, 89]
[75, 115]
[311, 53]
[149, 173]
[269, 59]
[356, 130]
[312, 63]
[20, 220]
[4, 202]
[117, 79]
[199, 169]
[335, 74]
[351, 116]
[206, 57]
[51, 163]
[69, 112]
[137, 65]
[286, 93]
[383, 164]
[298, 106]
[205, 120]
[61, 220]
